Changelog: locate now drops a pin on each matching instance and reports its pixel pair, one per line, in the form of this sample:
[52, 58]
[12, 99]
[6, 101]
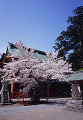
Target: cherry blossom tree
[33, 73]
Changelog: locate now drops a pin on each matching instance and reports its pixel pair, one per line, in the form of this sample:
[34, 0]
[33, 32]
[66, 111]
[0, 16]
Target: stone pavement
[51, 111]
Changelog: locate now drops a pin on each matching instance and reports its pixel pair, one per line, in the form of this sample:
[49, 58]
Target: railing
[19, 94]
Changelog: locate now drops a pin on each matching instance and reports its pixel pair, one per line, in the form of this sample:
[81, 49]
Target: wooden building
[55, 89]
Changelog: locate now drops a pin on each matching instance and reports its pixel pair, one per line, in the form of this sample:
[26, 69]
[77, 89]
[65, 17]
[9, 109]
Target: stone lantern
[76, 101]
[5, 97]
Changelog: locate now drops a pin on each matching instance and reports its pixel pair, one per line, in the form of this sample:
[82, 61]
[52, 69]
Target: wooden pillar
[12, 89]
[62, 90]
[56, 91]
[47, 90]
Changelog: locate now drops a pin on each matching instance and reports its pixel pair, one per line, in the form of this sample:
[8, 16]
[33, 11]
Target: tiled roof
[77, 76]
[40, 54]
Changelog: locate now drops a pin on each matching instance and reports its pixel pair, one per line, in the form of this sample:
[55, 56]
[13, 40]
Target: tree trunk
[36, 96]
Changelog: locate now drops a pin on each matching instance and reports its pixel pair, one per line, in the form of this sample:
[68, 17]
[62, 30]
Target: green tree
[72, 39]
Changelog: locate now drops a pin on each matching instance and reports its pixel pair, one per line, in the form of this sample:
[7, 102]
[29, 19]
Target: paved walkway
[52, 111]
[6, 110]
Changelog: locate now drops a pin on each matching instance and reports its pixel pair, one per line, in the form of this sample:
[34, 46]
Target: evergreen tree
[72, 39]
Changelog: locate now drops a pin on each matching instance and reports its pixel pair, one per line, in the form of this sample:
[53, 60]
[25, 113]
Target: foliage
[72, 38]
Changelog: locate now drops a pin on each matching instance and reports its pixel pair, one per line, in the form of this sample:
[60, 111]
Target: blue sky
[35, 22]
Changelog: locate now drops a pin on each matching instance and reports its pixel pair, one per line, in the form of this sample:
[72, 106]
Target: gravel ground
[51, 111]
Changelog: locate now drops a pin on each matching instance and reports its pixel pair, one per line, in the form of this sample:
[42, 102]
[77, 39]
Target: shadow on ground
[25, 103]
